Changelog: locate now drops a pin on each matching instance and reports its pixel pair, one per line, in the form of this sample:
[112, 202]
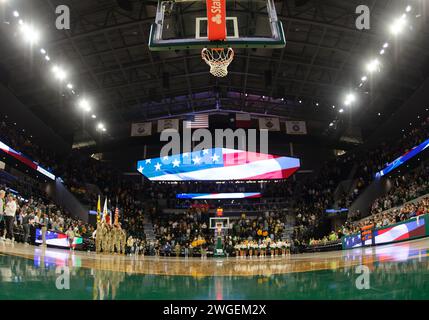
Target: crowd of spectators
[35, 212]
[306, 200]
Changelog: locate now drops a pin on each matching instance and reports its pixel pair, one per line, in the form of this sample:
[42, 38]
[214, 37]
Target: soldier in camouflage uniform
[111, 239]
[98, 238]
[105, 238]
[117, 239]
[123, 238]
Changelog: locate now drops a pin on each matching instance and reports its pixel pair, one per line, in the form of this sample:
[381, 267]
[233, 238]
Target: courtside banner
[216, 20]
[414, 228]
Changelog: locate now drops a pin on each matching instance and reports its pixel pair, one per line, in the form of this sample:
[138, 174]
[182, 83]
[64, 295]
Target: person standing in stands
[44, 222]
[27, 217]
[2, 222]
[9, 214]
[70, 236]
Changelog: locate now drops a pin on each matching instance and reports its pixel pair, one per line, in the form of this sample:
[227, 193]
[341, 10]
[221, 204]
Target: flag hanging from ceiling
[198, 121]
[141, 129]
[271, 124]
[167, 124]
[218, 164]
[296, 127]
[243, 120]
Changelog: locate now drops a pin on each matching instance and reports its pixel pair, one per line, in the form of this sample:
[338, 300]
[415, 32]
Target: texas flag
[218, 164]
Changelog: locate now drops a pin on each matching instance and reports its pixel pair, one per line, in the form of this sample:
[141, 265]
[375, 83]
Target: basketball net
[218, 58]
[219, 226]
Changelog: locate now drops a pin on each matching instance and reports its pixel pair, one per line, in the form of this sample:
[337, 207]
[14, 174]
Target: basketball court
[301, 71]
[26, 272]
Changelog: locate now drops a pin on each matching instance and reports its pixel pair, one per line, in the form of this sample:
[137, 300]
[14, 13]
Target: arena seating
[306, 199]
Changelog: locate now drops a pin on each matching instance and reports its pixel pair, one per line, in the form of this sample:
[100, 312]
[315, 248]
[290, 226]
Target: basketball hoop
[219, 226]
[218, 59]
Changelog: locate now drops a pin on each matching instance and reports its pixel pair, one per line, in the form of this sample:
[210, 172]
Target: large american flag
[198, 121]
[218, 164]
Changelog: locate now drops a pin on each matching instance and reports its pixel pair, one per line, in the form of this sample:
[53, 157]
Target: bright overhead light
[398, 25]
[16, 14]
[386, 45]
[333, 107]
[350, 98]
[341, 110]
[382, 51]
[59, 73]
[100, 126]
[364, 78]
[30, 34]
[84, 105]
[70, 86]
[331, 124]
[373, 66]
[94, 116]
[42, 51]
[408, 9]
[47, 58]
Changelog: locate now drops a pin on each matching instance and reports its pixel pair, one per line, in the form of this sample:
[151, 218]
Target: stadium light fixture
[94, 116]
[386, 45]
[382, 51]
[350, 98]
[59, 73]
[408, 9]
[364, 78]
[84, 105]
[29, 33]
[101, 127]
[16, 14]
[47, 58]
[42, 51]
[331, 124]
[341, 110]
[373, 65]
[398, 25]
[69, 86]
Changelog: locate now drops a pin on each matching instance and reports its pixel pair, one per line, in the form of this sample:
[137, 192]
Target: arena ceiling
[108, 60]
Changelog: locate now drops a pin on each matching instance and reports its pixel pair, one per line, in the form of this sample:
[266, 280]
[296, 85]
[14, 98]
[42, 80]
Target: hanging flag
[271, 124]
[243, 120]
[198, 121]
[167, 124]
[296, 127]
[141, 129]
[98, 209]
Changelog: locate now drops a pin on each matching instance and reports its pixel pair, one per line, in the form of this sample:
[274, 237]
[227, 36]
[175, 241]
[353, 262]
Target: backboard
[183, 24]
[223, 221]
